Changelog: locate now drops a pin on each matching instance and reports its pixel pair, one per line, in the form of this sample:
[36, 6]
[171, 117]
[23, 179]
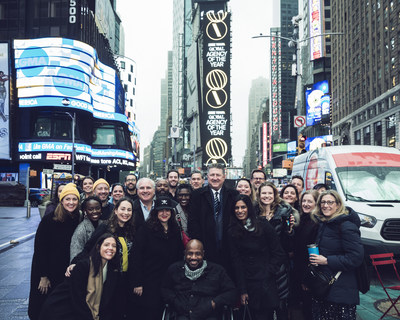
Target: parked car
[36, 195]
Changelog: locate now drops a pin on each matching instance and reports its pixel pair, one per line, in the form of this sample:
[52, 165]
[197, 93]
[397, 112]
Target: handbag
[318, 282]
[362, 277]
[184, 236]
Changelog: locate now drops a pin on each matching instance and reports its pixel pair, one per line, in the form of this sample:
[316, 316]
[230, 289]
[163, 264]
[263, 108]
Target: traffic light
[301, 144]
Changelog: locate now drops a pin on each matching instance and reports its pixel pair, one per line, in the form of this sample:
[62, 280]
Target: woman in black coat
[305, 234]
[86, 295]
[51, 249]
[340, 249]
[158, 244]
[256, 257]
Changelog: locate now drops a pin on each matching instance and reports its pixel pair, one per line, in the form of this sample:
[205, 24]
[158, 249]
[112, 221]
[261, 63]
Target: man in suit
[146, 190]
[210, 211]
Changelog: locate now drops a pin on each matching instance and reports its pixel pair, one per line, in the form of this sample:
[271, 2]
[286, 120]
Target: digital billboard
[314, 143]
[318, 104]
[292, 149]
[279, 147]
[4, 103]
[215, 117]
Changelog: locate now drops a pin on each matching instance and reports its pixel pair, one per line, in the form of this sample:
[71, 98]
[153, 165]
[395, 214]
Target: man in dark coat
[210, 211]
[130, 186]
[197, 289]
[146, 190]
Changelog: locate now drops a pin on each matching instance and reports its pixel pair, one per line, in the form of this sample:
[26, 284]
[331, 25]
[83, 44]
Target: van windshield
[370, 183]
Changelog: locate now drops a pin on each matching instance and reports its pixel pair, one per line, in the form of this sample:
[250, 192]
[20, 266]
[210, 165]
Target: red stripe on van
[367, 159]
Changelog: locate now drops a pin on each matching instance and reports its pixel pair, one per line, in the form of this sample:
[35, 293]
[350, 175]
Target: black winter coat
[256, 259]
[339, 241]
[202, 226]
[154, 252]
[50, 257]
[193, 298]
[68, 300]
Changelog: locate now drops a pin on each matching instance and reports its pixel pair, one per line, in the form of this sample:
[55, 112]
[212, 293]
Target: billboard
[317, 44]
[215, 116]
[318, 104]
[276, 95]
[314, 143]
[279, 147]
[292, 149]
[4, 102]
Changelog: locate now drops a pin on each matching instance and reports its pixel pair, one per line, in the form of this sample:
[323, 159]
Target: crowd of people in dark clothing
[126, 251]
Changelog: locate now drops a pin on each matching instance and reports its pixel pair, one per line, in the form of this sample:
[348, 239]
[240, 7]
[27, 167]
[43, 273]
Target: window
[367, 135]
[52, 126]
[133, 90]
[131, 68]
[357, 137]
[110, 135]
[129, 77]
[123, 65]
[378, 133]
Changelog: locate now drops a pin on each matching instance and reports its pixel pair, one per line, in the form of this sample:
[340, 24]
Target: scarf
[94, 291]
[195, 274]
[249, 226]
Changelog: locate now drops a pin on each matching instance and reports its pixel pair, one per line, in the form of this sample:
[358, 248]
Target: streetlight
[73, 119]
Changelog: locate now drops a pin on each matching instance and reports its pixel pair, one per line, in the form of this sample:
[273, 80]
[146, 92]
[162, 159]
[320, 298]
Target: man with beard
[146, 191]
[173, 180]
[162, 187]
[101, 189]
[195, 288]
[130, 186]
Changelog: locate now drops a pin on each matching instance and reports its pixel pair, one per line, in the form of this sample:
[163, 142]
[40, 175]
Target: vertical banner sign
[74, 18]
[276, 100]
[4, 103]
[215, 117]
[265, 143]
[317, 44]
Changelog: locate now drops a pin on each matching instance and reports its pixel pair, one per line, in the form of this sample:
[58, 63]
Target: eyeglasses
[329, 203]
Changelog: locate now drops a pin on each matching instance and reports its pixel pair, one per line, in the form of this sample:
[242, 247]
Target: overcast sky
[148, 37]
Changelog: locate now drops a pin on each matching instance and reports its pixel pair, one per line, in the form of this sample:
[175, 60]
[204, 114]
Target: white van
[368, 179]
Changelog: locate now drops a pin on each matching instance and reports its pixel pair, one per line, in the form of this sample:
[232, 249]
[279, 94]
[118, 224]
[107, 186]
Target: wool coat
[154, 252]
[256, 257]
[340, 242]
[50, 257]
[68, 300]
[192, 298]
[202, 226]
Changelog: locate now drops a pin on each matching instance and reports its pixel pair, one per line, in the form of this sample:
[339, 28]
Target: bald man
[197, 289]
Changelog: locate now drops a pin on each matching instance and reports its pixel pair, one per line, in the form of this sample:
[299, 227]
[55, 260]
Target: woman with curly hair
[158, 244]
[122, 226]
[290, 194]
[340, 249]
[283, 218]
[256, 256]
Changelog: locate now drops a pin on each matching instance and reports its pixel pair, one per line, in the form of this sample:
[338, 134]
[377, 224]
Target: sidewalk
[16, 259]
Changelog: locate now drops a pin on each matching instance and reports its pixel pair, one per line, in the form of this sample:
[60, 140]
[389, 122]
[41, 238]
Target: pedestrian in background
[117, 192]
[89, 294]
[340, 249]
[243, 186]
[51, 254]
[158, 244]
[87, 187]
[256, 256]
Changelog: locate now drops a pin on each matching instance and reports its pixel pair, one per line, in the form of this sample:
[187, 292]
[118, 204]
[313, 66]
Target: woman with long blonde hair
[340, 249]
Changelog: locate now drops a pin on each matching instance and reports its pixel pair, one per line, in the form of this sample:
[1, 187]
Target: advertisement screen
[215, 117]
[4, 103]
[279, 147]
[318, 104]
[292, 149]
[318, 142]
[317, 44]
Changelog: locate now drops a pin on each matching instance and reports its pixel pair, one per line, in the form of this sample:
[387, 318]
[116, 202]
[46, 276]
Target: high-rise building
[366, 72]
[61, 74]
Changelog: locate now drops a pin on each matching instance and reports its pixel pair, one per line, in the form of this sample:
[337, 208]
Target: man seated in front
[197, 289]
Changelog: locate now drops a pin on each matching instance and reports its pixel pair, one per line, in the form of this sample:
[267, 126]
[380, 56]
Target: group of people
[124, 251]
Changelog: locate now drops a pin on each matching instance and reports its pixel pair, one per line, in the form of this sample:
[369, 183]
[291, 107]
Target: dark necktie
[217, 203]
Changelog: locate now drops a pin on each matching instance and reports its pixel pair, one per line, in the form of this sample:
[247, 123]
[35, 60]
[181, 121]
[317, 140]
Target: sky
[148, 37]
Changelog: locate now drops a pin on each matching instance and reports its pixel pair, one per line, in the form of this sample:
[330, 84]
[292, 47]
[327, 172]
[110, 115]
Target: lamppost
[73, 121]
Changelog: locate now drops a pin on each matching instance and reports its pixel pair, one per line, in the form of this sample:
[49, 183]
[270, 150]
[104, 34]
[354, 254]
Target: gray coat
[82, 234]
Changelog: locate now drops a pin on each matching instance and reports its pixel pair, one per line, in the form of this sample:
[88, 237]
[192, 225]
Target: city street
[15, 264]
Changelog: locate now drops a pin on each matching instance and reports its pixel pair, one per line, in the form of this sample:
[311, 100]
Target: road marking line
[16, 241]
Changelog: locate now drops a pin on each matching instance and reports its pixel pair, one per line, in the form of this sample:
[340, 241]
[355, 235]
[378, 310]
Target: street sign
[48, 171]
[299, 121]
[66, 167]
